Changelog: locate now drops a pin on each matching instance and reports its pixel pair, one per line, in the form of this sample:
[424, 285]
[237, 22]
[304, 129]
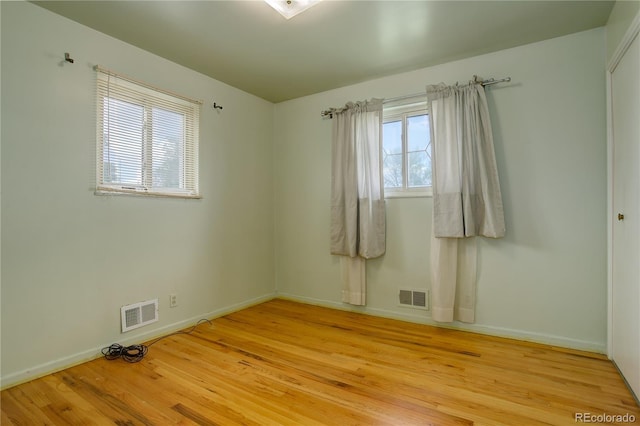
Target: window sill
[408, 194]
[117, 192]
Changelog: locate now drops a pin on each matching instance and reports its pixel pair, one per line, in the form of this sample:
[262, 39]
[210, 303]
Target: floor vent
[414, 299]
[139, 314]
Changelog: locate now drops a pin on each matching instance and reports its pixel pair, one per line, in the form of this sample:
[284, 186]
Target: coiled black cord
[135, 353]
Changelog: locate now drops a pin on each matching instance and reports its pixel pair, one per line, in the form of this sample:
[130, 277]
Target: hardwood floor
[285, 363]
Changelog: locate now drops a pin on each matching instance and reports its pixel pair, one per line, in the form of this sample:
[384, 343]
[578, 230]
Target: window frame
[401, 111]
[123, 89]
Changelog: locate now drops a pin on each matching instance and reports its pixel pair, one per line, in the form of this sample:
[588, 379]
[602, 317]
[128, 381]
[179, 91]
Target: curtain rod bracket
[67, 58]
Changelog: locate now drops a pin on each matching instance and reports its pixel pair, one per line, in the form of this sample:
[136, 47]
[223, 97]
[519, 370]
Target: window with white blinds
[147, 139]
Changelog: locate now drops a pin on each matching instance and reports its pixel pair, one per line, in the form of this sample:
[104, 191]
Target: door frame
[618, 54]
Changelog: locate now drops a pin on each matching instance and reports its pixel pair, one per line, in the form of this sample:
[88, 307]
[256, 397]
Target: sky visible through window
[407, 165]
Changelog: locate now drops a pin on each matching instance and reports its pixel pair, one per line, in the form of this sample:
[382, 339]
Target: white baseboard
[50, 367]
[546, 339]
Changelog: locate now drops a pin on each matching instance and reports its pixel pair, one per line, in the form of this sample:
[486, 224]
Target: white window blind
[147, 139]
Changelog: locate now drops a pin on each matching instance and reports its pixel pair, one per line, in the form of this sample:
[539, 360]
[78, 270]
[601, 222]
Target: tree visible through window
[406, 150]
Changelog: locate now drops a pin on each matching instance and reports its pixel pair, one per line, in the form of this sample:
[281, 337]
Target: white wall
[71, 259]
[546, 280]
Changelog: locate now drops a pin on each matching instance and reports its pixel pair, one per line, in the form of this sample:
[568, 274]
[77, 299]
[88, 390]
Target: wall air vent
[414, 298]
[139, 314]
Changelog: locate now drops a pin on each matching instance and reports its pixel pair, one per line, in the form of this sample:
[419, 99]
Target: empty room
[320, 212]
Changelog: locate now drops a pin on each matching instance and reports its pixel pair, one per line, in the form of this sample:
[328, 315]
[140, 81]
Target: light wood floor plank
[287, 363]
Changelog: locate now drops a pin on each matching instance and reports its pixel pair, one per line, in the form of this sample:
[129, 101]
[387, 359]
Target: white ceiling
[248, 45]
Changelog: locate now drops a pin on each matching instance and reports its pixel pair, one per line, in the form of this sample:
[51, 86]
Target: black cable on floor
[135, 353]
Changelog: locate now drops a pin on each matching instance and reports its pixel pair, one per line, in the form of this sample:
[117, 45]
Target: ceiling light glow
[290, 8]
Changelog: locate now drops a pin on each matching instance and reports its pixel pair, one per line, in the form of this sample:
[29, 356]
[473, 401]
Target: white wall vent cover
[139, 314]
[414, 298]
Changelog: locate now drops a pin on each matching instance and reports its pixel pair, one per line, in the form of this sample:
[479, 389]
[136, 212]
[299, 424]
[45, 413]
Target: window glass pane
[392, 154]
[419, 169]
[418, 151]
[167, 149]
[147, 140]
[123, 141]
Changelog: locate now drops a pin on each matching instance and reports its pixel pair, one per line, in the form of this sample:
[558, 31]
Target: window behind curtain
[147, 140]
[406, 150]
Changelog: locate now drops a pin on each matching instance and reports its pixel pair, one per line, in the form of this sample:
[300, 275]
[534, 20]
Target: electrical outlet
[173, 300]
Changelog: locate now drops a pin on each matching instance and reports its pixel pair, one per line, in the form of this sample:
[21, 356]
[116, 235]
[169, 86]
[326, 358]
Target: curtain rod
[329, 112]
[491, 81]
[98, 68]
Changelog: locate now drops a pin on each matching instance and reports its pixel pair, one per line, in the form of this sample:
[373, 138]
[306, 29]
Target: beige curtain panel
[357, 197]
[467, 201]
